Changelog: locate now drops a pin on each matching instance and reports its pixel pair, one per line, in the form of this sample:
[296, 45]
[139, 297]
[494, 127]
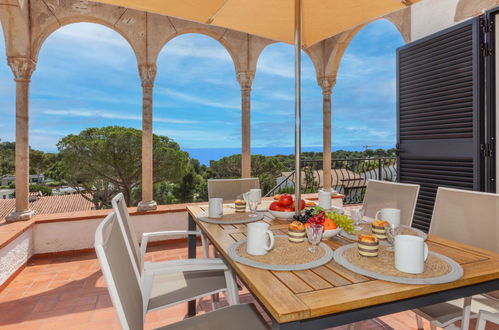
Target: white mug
[254, 195]
[215, 207]
[325, 199]
[390, 215]
[410, 253]
[257, 244]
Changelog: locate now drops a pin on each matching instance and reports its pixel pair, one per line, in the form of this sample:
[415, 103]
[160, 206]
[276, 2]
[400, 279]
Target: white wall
[15, 254]
[430, 16]
[78, 235]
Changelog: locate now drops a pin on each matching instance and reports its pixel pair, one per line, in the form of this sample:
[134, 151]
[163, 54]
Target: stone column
[147, 75]
[326, 84]
[245, 79]
[22, 67]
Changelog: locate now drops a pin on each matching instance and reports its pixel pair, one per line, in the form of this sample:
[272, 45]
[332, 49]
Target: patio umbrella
[299, 22]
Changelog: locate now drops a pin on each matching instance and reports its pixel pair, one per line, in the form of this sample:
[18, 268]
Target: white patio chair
[451, 217]
[484, 316]
[132, 300]
[385, 194]
[231, 189]
[174, 287]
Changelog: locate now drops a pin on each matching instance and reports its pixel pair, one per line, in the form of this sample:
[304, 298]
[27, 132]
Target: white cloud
[230, 104]
[110, 115]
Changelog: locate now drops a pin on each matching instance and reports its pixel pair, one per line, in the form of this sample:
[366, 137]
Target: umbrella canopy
[273, 19]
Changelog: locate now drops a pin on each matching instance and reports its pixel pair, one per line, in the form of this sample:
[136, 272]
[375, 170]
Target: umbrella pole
[298, 13]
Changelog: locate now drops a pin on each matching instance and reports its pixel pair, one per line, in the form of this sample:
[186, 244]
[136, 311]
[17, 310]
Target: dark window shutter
[439, 103]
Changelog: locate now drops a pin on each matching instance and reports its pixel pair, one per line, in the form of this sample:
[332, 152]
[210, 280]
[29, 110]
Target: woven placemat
[285, 256]
[438, 268]
[230, 217]
[367, 229]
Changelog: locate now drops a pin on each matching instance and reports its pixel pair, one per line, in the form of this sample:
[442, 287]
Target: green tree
[107, 160]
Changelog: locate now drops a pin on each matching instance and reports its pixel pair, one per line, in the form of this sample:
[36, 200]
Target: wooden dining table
[332, 295]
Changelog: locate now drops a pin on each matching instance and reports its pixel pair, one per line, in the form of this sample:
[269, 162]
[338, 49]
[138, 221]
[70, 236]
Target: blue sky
[87, 76]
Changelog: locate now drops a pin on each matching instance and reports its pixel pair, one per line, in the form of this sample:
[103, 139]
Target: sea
[204, 155]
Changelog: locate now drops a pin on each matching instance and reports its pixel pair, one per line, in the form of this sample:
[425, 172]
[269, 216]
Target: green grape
[342, 221]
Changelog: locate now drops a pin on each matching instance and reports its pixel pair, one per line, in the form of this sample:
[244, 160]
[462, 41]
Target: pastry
[367, 245]
[378, 228]
[310, 204]
[240, 205]
[296, 232]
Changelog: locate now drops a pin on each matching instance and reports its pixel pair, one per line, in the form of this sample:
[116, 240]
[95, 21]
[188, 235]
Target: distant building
[49, 205]
[33, 179]
[6, 193]
[66, 191]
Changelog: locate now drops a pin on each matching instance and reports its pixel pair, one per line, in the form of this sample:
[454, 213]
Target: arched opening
[364, 98]
[7, 96]
[273, 103]
[196, 87]
[86, 76]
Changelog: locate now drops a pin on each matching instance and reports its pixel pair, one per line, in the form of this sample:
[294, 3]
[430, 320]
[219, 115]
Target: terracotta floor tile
[70, 293]
[107, 313]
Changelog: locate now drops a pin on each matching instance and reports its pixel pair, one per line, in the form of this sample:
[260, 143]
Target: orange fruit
[329, 224]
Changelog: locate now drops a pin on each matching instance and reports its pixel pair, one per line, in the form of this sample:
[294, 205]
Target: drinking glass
[391, 231]
[314, 235]
[358, 217]
[253, 204]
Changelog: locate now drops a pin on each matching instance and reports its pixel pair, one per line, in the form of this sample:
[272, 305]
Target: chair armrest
[151, 266]
[147, 236]
[185, 268]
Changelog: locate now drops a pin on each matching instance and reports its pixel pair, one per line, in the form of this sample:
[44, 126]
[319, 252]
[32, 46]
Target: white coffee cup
[254, 195]
[215, 207]
[257, 243]
[325, 199]
[410, 253]
[390, 215]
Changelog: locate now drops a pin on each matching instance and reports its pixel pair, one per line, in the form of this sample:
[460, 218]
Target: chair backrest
[231, 189]
[468, 217]
[383, 194]
[121, 210]
[118, 270]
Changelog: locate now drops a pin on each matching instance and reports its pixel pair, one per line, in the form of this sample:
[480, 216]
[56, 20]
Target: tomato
[275, 206]
[302, 204]
[289, 209]
[286, 199]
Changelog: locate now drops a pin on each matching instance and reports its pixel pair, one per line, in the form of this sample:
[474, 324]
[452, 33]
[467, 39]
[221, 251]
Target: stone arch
[470, 8]
[49, 29]
[313, 59]
[209, 33]
[342, 41]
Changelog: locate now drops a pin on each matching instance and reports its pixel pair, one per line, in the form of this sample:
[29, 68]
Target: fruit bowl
[331, 233]
[288, 216]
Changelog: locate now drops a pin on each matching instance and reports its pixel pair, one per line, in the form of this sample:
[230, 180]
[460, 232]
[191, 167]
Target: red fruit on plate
[275, 206]
[286, 200]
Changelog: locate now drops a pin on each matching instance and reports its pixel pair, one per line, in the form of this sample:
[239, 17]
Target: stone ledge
[9, 231]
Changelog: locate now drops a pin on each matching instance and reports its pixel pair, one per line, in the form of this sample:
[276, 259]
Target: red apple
[286, 200]
[275, 206]
[302, 204]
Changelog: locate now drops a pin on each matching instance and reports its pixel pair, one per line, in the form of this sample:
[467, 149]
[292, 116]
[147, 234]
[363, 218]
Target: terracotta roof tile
[49, 205]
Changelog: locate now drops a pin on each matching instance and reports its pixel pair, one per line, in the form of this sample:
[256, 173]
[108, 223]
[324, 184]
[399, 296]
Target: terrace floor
[70, 293]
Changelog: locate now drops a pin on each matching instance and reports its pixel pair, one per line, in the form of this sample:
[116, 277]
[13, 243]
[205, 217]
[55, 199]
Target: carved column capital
[147, 74]
[245, 79]
[22, 67]
[326, 83]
